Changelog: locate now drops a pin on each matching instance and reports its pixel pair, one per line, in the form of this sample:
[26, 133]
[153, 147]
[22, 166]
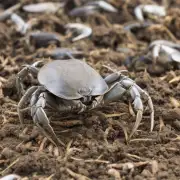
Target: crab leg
[45, 126]
[23, 101]
[150, 104]
[23, 73]
[41, 120]
[123, 85]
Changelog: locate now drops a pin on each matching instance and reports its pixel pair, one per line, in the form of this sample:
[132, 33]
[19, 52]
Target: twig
[69, 151]
[134, 156]
[128, 165]
[143, 139]
[77, 176]
[1, 91]
[12, 164]
[161, 124]
[42, 145]
[50, 177]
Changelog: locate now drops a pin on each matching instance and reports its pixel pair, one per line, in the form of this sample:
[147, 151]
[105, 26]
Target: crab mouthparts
[85, 92]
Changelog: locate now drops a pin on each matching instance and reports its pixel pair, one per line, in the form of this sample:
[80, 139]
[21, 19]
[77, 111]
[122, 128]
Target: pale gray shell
[71, 79]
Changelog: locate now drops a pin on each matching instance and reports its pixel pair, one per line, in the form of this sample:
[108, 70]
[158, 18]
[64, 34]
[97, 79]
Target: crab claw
[21, 25]
[123, 85]
[103, 5]
[82, 30]
[150, 104]
[47, 7]
[136, 92]
[150, 9]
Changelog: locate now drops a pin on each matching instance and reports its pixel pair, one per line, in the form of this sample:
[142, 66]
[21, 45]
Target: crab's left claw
[124, 85]
[150, 104]
[136, 92]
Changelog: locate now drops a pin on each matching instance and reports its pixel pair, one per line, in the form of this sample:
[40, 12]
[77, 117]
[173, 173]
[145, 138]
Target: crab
[172, 50]
[149, 9]
[74, 86]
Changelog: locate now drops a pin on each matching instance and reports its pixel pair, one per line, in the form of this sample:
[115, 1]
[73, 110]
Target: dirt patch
[95, 142]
